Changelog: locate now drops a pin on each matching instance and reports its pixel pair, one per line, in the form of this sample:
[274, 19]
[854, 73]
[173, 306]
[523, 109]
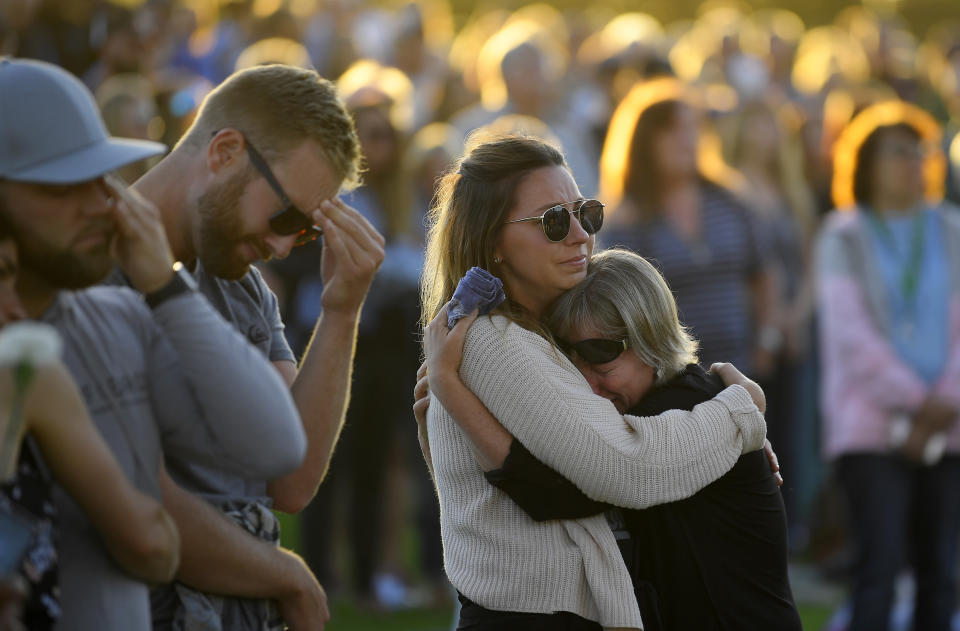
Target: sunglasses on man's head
[289, 220]
[595, 351]
[555, 220]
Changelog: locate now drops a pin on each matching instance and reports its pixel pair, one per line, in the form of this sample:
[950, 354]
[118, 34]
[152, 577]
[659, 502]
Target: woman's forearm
[140, 536]
[540, 491]
[151, 550]
[491, 441]
[628, 461]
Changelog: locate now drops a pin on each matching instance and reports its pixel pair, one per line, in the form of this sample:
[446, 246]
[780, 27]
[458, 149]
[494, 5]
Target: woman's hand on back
[733, 377]
[421, 402]
[443, 348]
[774, 462]
[421, 396]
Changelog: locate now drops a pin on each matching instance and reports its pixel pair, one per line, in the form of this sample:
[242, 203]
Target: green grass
[289, 531]
[346, 615]
[814, 616]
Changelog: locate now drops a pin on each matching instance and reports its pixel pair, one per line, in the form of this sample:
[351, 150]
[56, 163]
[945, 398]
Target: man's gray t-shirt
[251, 307]
[178, 383]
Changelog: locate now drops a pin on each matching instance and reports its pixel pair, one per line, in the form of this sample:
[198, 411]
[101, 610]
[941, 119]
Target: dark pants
[379, 415]
[473, 617]
[782, 389]
[901, 512]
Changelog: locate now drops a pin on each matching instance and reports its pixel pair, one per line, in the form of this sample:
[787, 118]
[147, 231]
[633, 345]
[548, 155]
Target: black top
[717, 560]
[26, 498]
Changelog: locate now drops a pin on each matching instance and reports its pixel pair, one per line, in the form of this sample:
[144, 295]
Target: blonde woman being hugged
[511, 206]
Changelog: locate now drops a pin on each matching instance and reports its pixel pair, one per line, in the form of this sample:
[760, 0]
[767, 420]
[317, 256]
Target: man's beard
[63, 269]
[220, 231]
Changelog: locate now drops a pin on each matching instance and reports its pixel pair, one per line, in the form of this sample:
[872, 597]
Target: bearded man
[164, 377]
[257, 174]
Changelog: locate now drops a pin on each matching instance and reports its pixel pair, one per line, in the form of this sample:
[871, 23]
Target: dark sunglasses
[556, 219]
[595, 351]
[289, 220]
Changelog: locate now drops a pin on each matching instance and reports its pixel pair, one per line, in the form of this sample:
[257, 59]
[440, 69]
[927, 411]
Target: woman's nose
[577, 234]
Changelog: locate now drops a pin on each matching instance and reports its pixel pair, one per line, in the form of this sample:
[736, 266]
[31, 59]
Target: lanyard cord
[910, 273]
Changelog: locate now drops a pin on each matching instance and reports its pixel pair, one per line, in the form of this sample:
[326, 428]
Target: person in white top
[511, 206]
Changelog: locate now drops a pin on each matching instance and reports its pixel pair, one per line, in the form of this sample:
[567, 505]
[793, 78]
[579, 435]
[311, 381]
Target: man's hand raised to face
[352, 253]
[140, 245]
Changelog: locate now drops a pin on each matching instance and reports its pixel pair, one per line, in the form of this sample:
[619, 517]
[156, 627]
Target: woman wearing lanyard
[889, 303]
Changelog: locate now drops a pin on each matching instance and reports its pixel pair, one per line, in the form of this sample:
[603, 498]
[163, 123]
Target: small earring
[497, 260]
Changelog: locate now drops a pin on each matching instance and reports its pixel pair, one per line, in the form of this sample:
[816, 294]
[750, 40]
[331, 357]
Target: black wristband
[181, 283]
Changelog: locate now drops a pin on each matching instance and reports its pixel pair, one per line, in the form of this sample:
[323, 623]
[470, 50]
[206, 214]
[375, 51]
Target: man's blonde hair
[624, 297]
[277, 108]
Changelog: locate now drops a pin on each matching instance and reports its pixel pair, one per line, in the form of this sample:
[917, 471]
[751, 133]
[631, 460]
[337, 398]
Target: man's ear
[226, 150]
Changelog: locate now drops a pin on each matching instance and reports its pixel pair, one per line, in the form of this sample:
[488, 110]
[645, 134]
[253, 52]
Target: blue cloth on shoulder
[478, 289]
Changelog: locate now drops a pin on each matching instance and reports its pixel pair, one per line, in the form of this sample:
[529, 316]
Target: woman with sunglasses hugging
[512, 207]
[716, 560]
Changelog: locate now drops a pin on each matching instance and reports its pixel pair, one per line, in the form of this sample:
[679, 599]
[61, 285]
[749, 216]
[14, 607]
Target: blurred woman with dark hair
[889, 303]
[705, 243]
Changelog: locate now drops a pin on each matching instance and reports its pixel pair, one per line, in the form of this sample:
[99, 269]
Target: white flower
[32, 342]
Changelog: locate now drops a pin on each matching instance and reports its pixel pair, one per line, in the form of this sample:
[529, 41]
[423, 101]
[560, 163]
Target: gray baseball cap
[51, 131]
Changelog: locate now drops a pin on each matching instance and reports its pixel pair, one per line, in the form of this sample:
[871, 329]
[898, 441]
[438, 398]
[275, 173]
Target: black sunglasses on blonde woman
[595, 351]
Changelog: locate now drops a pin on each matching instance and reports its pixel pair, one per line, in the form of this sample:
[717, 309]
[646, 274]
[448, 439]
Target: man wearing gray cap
[257, 174]
[162, 377]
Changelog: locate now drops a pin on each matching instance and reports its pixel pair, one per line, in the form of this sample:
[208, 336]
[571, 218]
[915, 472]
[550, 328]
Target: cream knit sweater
[498, 556]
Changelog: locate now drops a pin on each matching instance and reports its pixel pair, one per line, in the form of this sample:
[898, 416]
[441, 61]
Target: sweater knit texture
[494, 553]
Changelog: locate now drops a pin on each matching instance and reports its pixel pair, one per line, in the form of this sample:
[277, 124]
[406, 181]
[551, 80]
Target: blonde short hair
[624, 297]
[278, 107]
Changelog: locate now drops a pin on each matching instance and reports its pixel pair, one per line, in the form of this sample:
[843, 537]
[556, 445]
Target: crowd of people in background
[712, 143]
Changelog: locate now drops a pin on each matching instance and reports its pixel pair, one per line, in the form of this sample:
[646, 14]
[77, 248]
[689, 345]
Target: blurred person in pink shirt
[889, 305]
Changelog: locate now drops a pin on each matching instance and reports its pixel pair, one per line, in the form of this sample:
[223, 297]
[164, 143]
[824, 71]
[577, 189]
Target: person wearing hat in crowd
[163, 376]
[257, 174]
[46, 435]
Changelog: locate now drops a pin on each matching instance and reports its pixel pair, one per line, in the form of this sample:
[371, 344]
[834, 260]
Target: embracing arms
[538, 396]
